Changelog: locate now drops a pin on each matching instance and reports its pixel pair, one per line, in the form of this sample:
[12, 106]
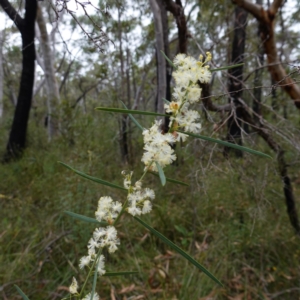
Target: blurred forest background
[238, 216]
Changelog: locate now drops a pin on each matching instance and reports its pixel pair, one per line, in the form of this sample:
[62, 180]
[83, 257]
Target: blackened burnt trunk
[235, 78]
[17, 137]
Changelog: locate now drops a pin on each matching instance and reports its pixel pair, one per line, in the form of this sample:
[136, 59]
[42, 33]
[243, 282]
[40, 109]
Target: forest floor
[231, 218]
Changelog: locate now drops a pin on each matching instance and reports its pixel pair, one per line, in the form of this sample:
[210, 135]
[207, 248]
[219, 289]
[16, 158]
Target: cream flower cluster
[157, 147]
[89, 295]
[105, 237]
[107, 209]
[102, 237]
[127, 179]
[189, 70]
[139, 201]
[188, 75]
[73, 288]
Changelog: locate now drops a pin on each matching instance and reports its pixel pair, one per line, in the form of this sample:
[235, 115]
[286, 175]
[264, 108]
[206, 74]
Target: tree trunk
[166, 49]
[267, 22]
[128, 88]
[258, 75]
[177, 10]
[17, 137]
[123, 123]
[161, 62]
[1, 72]
[51, 84]
[236, 76]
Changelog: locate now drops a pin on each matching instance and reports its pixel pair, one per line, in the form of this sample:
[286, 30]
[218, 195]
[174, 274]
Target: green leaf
[226, 68]
[21, 292]
[168, 59]
[231, 145]
[120, 273]
[170, 179]
[161, 174]
[84, 218]
[98, 180]
[131, 111]
[178, 250]
[133, 119]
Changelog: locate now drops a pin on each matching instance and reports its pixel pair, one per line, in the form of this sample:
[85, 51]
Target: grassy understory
[232, 219]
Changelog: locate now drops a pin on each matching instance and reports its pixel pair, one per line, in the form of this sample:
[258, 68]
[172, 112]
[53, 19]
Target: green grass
[232, 219]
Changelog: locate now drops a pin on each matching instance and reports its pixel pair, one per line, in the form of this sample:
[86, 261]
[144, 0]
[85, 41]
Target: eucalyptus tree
[47, 64]
[266, 18]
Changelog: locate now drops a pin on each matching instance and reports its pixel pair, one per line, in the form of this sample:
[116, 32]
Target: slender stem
[121, 212]
[90, 271]
[146, 170]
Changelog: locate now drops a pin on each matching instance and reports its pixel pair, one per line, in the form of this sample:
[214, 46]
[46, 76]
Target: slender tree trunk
[166, 49]
[258, 83]
[17, 137]
[128, 88]
[51, 84]
[1, 72]
[258, 74]
[236, 75]
[123, 127]
[161, 62]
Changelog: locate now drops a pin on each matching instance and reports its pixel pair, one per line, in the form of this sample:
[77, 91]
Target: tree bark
[166, 49]
[161, 62]
[17, 137]
[266, 18]
[177, 10]
[123, 123]
[258, 75]
[1, 72]
[236, 76]
[128, 89]
[51, 84]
